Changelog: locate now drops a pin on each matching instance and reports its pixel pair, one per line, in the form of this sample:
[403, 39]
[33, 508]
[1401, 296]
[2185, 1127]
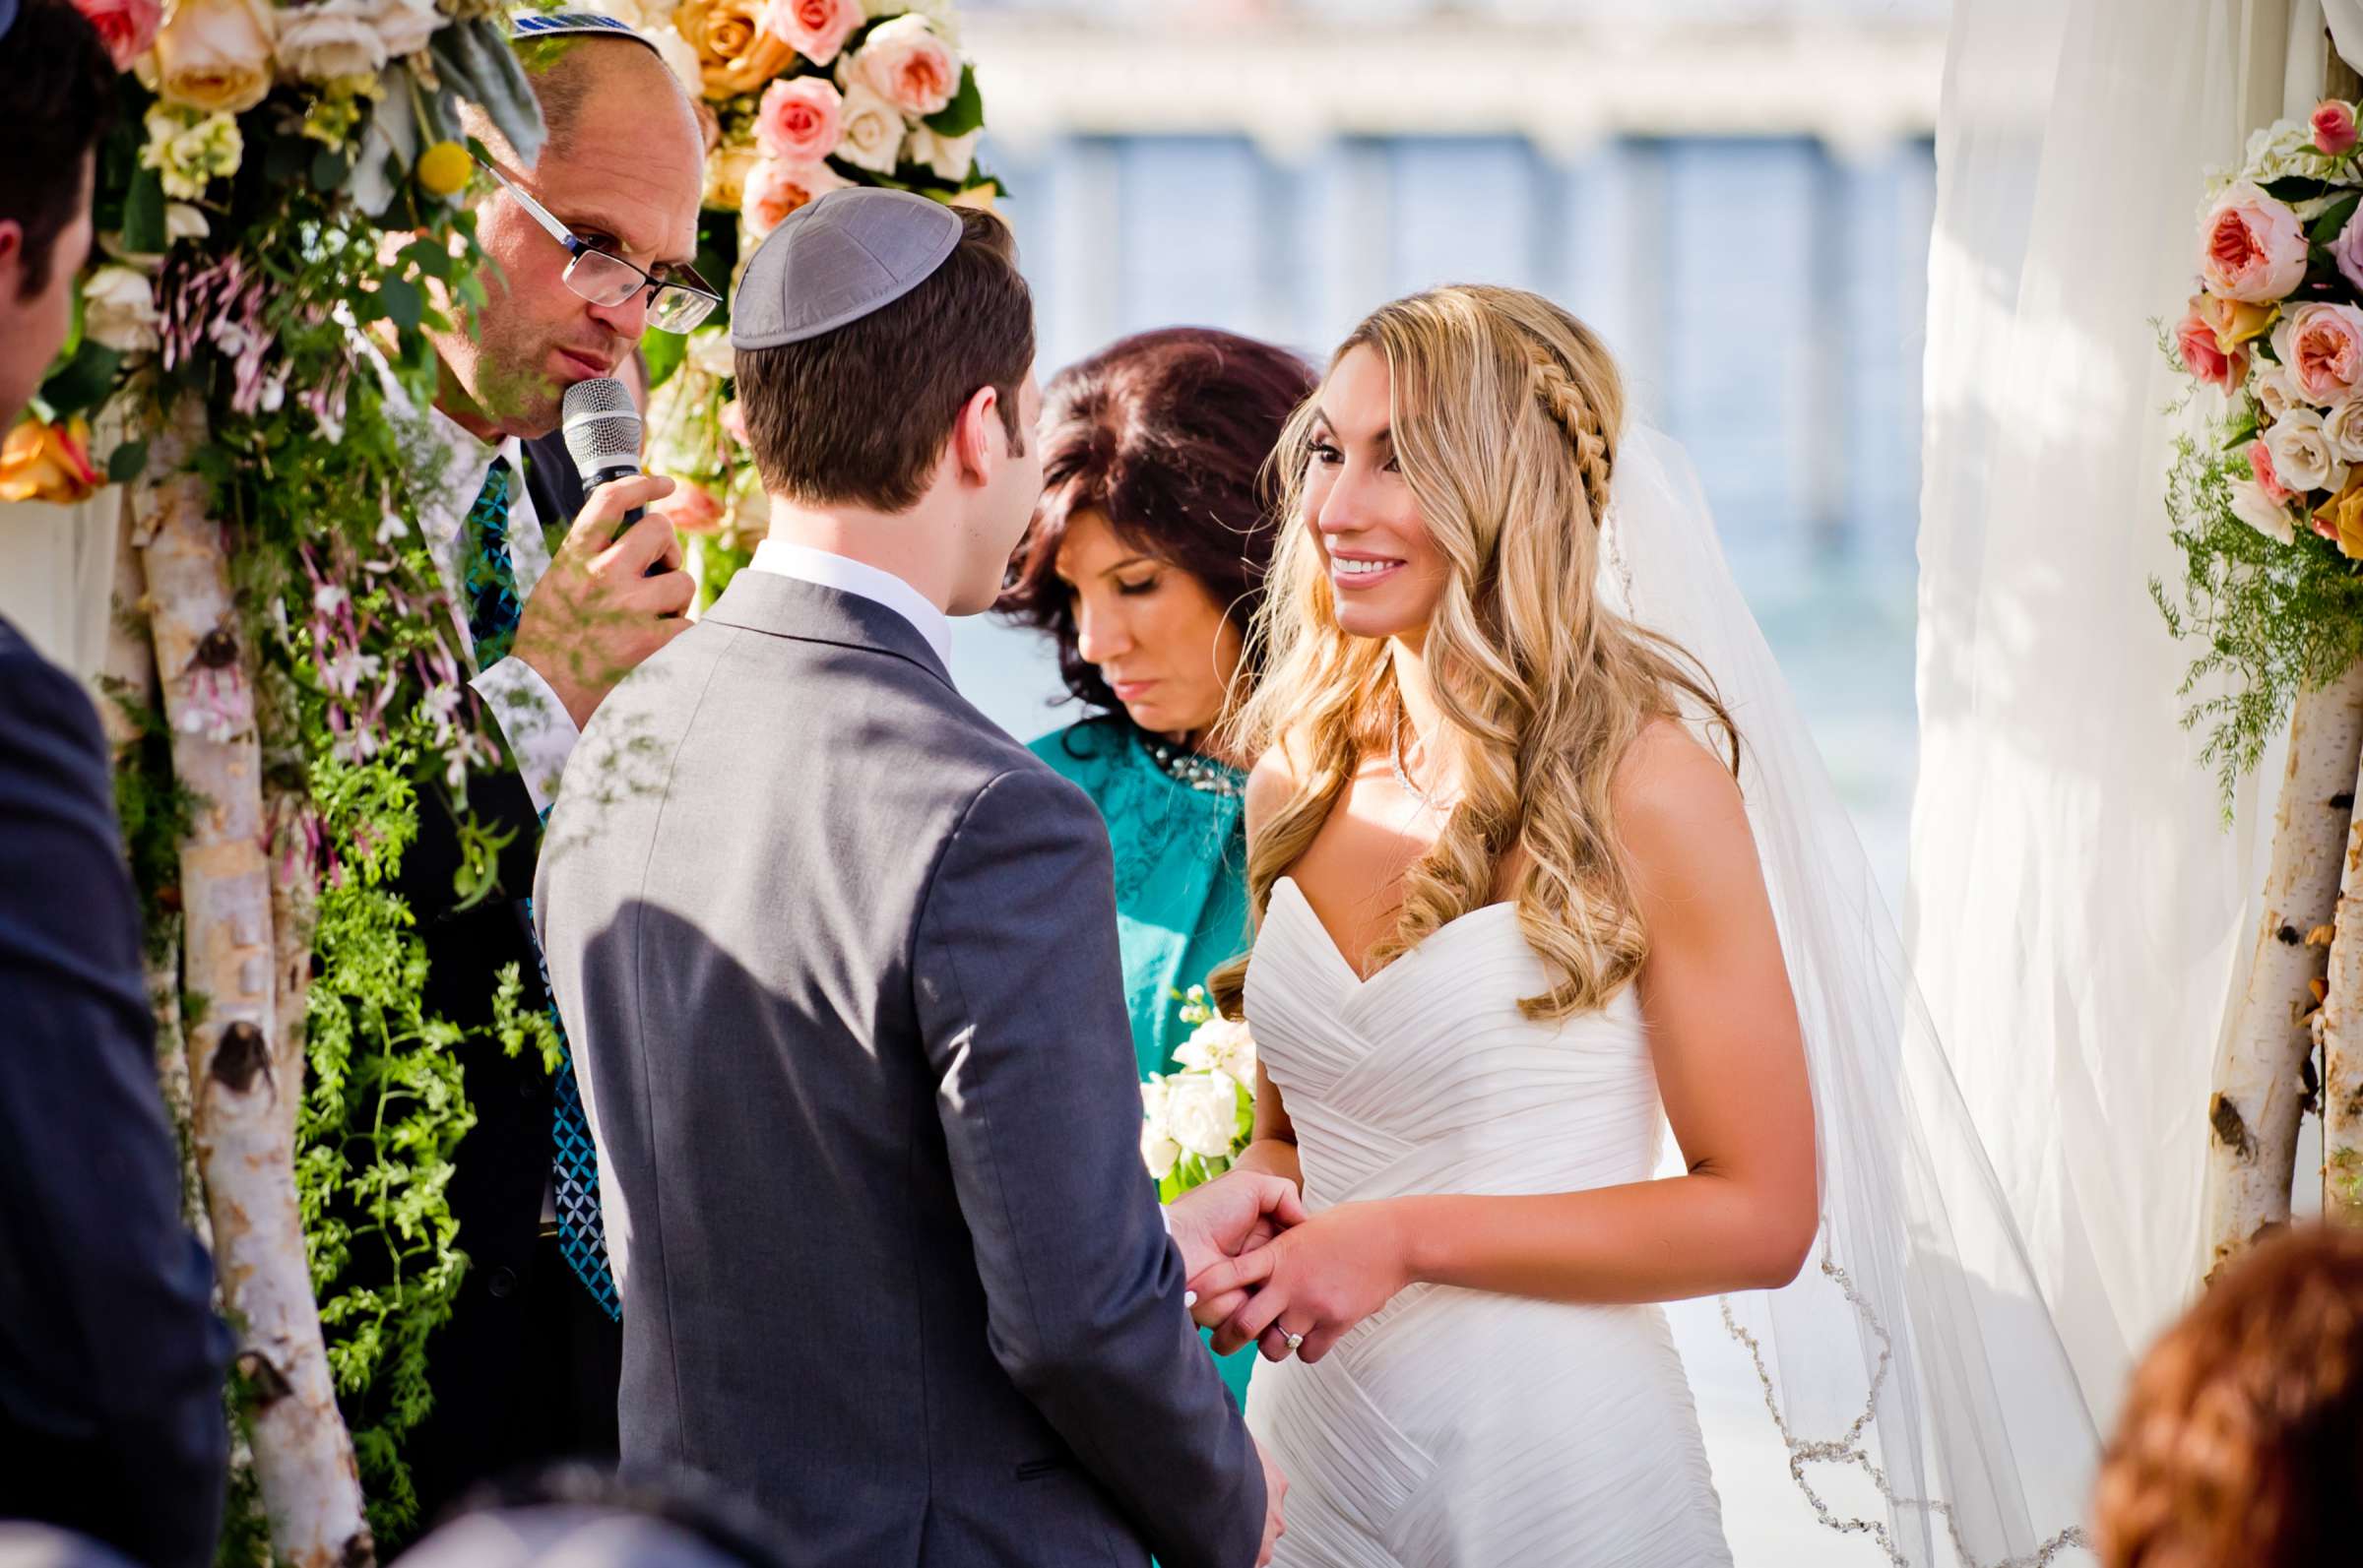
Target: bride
[1531, 891]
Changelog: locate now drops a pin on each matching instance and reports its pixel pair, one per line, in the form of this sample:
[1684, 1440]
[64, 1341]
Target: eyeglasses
[605, 279]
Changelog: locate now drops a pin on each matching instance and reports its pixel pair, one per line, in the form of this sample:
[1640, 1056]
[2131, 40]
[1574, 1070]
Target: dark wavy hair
[1168, 434]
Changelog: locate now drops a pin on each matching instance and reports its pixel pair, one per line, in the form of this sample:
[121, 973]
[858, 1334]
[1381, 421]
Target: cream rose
[120, 309]
[403, 26]
[213, 55]
[2343, 428]
[775, 189]
[2301, 454]
[816, 28]
[873, 131]
[2275, 393]
[950, 157]
[801, 119]
[328, 38]
[905, 63]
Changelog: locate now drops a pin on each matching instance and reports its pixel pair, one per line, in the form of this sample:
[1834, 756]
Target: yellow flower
[2341, 518]
[735, 54]
[48, 462]
[443, 168]
[2234, 321]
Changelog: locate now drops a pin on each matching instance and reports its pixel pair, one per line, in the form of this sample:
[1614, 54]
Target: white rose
[2343, 430]
[2302, 458]
[1157, 1151]
[2275, 393]
[1220, 1045]
[403, 26]
[120, 309]
[2252, 506]
[950, 157]
[681, 56]
[1204, 1113]
[183, 222]
[873, 131]
[328, 39]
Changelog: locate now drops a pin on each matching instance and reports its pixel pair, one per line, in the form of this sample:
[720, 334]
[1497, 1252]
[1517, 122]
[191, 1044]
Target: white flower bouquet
[1196, 1121]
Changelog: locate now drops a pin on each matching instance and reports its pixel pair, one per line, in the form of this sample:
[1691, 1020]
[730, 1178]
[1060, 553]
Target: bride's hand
[1318, 1280]
[1232, 1214]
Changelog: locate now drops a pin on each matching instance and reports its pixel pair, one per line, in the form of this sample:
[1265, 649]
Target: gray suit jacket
[838, 960]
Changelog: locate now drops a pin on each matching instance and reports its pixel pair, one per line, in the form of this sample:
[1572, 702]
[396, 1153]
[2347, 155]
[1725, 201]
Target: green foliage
[2271, 618]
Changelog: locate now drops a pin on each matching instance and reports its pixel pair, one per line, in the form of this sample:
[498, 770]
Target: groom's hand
[1231, 1215]
[1275, 1487]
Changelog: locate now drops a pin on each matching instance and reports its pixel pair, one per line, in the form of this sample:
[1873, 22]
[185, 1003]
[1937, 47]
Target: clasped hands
[1262, 1271]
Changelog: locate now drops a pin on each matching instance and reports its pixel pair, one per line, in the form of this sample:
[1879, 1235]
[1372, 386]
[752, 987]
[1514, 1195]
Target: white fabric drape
[57, 568]
[2077, 911]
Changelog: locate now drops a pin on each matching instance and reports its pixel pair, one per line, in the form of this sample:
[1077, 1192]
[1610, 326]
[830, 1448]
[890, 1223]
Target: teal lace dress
[1179, 842]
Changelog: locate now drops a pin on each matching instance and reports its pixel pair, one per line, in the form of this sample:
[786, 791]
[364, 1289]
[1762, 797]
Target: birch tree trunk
[302, 1455]
[2340, 1028]
[2253, 1113]
[128, 672]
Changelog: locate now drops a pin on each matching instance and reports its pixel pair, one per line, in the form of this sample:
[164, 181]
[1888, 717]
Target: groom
[839, 958]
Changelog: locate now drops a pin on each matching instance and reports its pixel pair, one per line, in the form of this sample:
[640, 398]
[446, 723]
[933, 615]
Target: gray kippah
[836, 260]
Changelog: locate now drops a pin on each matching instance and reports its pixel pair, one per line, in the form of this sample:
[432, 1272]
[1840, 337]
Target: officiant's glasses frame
[674, 304]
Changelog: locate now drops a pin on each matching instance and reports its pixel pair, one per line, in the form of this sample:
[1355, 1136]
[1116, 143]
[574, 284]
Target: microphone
[603, 436]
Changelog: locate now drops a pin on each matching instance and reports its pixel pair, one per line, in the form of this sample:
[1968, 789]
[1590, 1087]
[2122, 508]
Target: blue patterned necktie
[493, 610]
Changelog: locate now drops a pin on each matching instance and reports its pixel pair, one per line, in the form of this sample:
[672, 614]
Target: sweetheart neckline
[1338, 954]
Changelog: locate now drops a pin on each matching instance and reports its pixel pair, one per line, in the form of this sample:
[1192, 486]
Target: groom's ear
[977, 436]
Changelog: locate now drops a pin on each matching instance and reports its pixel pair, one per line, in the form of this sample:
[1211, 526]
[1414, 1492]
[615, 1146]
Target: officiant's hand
[1317, 1279]
[1230, 1215]
[595, 615]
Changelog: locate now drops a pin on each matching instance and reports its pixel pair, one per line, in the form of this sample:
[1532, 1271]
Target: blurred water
[1763, 298]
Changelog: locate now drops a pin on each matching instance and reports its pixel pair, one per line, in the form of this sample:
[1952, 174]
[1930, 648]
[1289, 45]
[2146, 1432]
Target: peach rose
[816, 29]
[2252, 247]
[48, 462]
[736, 51]
[125, 26]
[2321, 347]
[800, 119]
[727, 168]
[2204, 357]
[905, 63]
[2340, 520]
[2334, 126]
[213, 55]
[2259, 462]
[775, 189]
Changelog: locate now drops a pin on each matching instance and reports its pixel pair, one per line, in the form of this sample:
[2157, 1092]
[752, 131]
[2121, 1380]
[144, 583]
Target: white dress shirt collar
[808, 565]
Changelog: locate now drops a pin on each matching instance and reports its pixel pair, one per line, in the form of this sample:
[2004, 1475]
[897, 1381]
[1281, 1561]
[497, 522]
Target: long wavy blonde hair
[1506, 412]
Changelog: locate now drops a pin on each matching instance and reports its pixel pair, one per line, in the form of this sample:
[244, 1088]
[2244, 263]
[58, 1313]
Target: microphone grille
[602, 426]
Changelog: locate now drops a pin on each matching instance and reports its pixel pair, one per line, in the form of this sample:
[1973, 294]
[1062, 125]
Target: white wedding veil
[1911, 1372]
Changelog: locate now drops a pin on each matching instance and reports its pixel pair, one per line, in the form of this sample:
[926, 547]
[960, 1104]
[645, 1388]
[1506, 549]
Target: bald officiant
[839, 963]
[587, 242]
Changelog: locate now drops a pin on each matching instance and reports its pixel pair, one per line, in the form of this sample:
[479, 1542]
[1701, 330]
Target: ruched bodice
[1455, 1430]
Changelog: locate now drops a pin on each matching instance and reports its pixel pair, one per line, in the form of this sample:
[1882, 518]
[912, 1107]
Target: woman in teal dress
[1144, 563]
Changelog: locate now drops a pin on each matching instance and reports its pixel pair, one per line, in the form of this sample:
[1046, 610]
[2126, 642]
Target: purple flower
[2347, 250]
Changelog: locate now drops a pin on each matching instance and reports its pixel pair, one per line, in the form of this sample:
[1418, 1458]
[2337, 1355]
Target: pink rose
[905, 63]
[800, 119]
[2321, 348]
[2204, 356]
[774, 189]
[125, 26]
[816, 28]
[2259, 462]
[2334, 126]
[2252, 248]
[692, 508]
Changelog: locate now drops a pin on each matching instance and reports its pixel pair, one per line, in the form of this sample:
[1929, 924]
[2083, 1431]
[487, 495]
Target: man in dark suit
[590, 241]
[110, 1358]
[839, 960]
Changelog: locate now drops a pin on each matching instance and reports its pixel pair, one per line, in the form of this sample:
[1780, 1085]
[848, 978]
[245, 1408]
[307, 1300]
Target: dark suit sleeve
[111, 1357]
[1021, 999]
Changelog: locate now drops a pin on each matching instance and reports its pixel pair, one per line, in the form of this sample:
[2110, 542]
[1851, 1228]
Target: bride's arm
[1731, 1070]
[1272, 1149]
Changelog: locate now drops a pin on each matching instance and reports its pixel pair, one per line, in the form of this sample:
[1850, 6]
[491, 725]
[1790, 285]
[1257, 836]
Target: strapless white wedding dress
[1456, 1430]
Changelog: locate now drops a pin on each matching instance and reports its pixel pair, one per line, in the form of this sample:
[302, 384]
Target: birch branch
[302, 1454]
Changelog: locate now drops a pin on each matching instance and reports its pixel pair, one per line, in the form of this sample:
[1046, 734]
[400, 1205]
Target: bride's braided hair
[1506, 412]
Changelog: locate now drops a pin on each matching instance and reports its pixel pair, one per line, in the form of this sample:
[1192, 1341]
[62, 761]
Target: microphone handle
[625, 471]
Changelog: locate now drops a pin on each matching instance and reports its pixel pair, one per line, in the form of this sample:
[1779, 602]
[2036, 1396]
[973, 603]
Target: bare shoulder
[1271, 784]
[1679, 811]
